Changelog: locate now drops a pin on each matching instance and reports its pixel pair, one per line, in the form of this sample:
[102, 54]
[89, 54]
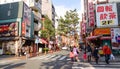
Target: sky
[61, 6]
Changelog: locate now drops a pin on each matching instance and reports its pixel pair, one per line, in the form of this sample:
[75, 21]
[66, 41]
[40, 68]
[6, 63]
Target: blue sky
[62, 6]
[68, 3]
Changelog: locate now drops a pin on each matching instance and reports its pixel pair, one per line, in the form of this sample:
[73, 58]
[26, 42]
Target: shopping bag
[112, 57]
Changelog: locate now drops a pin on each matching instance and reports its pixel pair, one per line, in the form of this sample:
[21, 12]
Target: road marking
[50, 57]
[77, 68]
[56, 57]
[62, 58]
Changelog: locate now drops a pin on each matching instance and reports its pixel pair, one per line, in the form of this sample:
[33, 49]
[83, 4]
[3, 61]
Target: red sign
[91, 13]
[8, 29]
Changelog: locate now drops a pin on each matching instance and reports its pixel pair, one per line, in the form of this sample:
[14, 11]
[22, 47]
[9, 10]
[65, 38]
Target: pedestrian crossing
[101, 65]
[51, 57]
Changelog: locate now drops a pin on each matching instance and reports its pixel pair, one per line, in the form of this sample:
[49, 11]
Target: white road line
[44, 57]
[77, 68]
[68, 59]
[62, 58]
[56, 57]
[50, 57]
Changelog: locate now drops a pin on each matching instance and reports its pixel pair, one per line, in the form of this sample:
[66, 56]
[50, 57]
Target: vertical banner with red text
[91, 14]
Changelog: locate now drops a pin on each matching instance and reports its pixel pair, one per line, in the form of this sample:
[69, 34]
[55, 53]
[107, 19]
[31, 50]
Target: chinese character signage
[115, 35]
[91, 13]
[83, 27]
[106, 15]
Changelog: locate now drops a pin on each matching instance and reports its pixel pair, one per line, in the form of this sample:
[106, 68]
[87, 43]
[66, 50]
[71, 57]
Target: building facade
[105, 26]
[49, 10]
[22, 16]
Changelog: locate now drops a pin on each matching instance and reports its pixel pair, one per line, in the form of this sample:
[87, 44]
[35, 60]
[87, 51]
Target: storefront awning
[92, 37]
[43, 41]
[105, 38]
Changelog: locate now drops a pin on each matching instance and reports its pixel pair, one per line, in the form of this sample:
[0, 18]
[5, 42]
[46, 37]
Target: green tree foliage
[49, 30]
[69, 22]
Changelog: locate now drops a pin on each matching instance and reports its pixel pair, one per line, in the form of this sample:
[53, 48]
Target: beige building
[48, 9]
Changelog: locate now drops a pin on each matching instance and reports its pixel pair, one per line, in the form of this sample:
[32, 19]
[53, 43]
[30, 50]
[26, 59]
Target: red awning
[92, 37]
[43, 41]
[105, 38]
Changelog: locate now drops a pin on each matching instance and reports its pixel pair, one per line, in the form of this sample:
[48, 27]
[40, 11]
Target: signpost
[36, 42]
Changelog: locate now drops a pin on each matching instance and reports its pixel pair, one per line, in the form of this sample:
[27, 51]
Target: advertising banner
[26, 24]
[91, 14]
[106, 15]
[9, 29]
[115, 35]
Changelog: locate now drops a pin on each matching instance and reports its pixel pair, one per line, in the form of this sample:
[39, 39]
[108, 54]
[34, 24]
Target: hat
[106, 44]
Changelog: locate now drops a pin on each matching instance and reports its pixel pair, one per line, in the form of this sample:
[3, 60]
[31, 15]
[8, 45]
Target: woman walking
[75, 51]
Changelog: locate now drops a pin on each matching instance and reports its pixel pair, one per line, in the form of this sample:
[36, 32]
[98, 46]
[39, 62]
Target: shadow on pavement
[57, 65]
[11, 65]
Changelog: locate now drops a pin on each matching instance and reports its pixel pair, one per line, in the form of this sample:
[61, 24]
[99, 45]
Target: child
[71, 55]
[84, 56]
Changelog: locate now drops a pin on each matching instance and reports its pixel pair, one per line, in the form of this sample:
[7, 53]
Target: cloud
[61, 10]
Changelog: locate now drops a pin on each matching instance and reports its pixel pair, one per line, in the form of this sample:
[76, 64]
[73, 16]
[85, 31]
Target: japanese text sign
[106, 15]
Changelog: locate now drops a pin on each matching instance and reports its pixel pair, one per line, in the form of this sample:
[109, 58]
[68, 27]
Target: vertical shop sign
[115, 35]
[83, 28]
[106, 15]
[26, 24]
[91, 13]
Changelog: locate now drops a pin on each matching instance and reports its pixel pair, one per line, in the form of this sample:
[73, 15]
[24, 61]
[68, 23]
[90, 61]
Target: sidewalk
[12, 57]
[102, 58]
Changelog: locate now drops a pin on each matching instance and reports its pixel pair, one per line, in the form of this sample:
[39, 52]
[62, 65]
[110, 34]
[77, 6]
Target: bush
[45, 49]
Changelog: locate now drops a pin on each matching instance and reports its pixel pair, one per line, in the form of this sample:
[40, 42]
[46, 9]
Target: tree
[68, 24]
[49, 30]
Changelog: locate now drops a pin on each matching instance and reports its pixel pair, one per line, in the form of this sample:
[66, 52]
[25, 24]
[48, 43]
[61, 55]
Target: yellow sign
[108, 22]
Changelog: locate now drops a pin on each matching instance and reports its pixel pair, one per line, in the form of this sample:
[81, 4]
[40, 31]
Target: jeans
[107, 58]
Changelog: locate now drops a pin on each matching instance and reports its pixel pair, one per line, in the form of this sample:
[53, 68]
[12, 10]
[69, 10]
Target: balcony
[35, 6]
[37, 15]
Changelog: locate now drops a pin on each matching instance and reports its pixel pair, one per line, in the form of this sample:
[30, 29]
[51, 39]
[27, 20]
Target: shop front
[15, 27]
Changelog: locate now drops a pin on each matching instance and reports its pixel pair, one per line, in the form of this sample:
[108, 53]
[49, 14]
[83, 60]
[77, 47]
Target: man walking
[107, 52]
[89, 51]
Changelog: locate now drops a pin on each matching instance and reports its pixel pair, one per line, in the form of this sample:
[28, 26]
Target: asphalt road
[57, 60]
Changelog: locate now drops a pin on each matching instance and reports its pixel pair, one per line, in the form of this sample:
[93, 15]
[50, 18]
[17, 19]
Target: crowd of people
[90, 52]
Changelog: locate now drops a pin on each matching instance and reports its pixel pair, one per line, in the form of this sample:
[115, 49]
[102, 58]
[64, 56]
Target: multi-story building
[26, 16]
[105, 27]
[49, 10]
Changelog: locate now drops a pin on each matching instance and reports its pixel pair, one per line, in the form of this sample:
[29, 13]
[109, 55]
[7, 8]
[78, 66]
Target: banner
[115, 35]
[106, 15]
[91, 14]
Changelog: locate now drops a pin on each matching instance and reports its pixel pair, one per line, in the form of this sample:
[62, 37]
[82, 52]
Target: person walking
[71, 55]
[75, 51]
[85, 56]
[89, 51]
[96, 55]
[107, 52]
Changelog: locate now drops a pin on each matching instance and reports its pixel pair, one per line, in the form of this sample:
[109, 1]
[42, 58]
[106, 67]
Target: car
[64, 48]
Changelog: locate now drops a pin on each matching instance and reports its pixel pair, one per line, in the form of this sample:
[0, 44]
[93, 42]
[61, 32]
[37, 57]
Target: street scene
[59, 34]
[57, 60]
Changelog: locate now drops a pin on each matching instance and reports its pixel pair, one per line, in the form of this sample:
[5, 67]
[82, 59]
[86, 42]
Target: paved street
[57, 60]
